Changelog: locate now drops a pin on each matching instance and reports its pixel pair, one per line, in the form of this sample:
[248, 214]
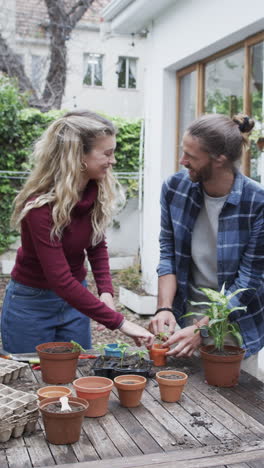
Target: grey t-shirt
[204, 248]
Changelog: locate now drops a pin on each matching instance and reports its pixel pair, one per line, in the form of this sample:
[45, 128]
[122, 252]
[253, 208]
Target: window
[93, 70]
[37, 71]
[126, 70]
[228, 82]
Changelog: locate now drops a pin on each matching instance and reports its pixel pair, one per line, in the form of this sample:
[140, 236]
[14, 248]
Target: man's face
[197, 161]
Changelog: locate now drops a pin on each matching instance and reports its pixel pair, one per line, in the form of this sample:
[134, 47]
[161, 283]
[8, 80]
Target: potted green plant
[221, 362]
[157, 353]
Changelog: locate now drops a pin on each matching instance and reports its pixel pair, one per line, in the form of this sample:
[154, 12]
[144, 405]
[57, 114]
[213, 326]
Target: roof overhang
[132, 16]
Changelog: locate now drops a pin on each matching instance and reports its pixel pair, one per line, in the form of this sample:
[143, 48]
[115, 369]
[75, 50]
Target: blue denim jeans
[31, 316]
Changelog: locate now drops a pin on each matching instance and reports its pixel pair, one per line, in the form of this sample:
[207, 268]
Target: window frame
[127, 58]
[86, 56]
[199, 67]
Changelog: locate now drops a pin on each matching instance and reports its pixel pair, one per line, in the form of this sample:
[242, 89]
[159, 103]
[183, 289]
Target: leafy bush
[20, 126]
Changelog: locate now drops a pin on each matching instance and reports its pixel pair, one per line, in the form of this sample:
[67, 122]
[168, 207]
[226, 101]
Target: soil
[225, 352]
[128, 382]
[129, 362]
[58, 350]
[56, 408]
[171, 377]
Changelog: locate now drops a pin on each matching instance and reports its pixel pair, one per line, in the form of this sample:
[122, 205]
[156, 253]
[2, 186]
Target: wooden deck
[210, 427]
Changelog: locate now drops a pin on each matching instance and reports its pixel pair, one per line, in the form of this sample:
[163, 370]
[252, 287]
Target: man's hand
[187, 342]
[157, 324]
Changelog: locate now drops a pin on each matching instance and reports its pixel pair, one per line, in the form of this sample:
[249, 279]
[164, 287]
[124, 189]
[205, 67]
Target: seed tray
[15, 427]
[11, 370]
[110, 367]
[18, 412]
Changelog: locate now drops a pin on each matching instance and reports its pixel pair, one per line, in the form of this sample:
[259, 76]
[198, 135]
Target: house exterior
[103, 75]
[202, 56]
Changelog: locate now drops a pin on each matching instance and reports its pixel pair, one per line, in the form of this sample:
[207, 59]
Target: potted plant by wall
[221, 362]
[171, 385]
[96, 390]
[157, 353]
[58, 361]
[63, 424]
[130, 389]
[132, 294]
[127, 363]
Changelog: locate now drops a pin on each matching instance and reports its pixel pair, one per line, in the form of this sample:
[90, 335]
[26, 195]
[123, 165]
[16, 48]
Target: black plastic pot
[109, 367]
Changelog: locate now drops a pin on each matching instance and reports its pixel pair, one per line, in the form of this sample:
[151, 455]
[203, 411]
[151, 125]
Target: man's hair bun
[245, 123]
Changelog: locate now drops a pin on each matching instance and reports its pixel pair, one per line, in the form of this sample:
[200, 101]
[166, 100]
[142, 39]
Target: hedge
[20, 126]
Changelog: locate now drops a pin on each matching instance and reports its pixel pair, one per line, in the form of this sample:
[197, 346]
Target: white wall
[190, 30]
[108, 99]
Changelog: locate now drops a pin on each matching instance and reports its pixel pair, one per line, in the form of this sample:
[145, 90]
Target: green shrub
[20, 126]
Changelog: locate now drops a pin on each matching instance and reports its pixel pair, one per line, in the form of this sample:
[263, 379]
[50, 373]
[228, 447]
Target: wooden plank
[201, 457]
[137, 432]
[240, 423]
[173, 426]
[38, 448]
[232, 426]
[119, 436]
[183, 412]
[99, 439]
[3, 458]
[84, 450]
[17, 454]
[238, 398]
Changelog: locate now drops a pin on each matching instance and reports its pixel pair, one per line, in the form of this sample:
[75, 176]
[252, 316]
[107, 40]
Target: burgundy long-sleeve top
[59, 265]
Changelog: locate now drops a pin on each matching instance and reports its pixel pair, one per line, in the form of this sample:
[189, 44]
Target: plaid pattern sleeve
[240, 248]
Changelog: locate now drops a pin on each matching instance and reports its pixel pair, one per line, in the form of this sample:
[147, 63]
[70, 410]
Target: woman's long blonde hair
[56, 174]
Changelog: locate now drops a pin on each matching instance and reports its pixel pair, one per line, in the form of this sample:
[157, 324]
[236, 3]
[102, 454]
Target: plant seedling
[122, 346]
[160, 337]
[101, 348]
[218, 312]
[141, 353]
[77, 347]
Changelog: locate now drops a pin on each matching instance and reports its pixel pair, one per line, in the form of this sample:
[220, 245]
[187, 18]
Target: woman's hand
[187, 342]
[140, 335]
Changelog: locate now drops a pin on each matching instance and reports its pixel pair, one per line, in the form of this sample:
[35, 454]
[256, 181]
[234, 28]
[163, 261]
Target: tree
[61, 21]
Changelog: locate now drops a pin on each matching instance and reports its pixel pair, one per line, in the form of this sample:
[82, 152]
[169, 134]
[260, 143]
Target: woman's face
[100, 158]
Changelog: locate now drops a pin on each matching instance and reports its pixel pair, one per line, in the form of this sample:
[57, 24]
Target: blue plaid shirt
[240, 248]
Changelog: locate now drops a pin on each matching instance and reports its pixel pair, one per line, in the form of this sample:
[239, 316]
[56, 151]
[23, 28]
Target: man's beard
[203, 175]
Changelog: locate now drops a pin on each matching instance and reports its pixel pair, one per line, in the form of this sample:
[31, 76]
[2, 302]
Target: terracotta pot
[95, 390]
[57, 368]
[157, 355]
[171, 388]
[130, 389]
[63, 428]
[222, 371]
[53, 391]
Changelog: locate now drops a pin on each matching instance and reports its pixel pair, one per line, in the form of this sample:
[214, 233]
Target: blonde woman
[63, 211]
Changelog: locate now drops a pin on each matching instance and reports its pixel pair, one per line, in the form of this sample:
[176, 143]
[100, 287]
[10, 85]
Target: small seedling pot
[53, 391]
[63, 427]
[112, 350]
[96, 390]
[171, 384]
[158, 354]
[130, 389]
[57, 368]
